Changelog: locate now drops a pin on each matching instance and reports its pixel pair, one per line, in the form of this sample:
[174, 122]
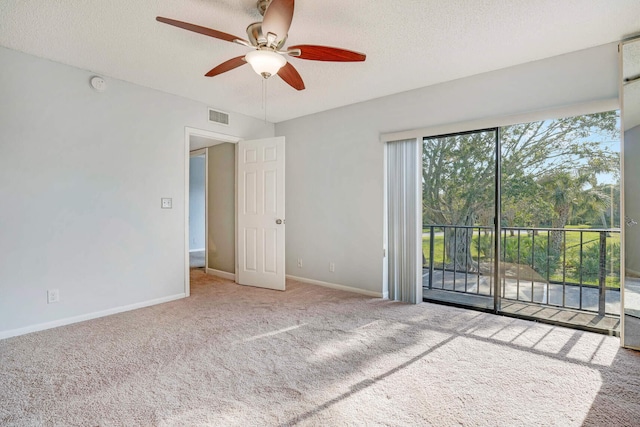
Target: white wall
[197, 175]
[81, 177]
[334, 190]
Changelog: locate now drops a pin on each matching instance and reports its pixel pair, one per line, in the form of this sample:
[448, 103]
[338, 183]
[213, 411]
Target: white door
[261, 213]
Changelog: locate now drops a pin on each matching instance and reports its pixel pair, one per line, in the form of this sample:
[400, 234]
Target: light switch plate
[166, 203]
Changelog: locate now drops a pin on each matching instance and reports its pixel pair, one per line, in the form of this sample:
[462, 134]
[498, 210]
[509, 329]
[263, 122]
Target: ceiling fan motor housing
[258, 39]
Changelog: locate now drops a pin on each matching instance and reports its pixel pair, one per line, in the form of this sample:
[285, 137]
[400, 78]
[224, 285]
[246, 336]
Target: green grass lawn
[589, 244]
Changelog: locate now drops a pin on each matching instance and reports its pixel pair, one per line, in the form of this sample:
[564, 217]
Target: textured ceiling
[409, 43]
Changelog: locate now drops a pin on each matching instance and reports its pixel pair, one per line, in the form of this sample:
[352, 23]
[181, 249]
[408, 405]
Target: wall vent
[219, 117]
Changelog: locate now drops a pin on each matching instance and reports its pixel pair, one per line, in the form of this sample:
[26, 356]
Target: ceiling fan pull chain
[264, 98]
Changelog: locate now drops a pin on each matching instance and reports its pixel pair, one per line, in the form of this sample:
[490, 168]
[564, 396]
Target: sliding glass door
[554, 185]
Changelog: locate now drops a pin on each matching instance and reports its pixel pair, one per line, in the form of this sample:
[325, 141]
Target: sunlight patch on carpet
[270, 334]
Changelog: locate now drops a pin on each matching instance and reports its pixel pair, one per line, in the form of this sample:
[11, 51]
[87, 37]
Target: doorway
[198, 145]
[262, 170]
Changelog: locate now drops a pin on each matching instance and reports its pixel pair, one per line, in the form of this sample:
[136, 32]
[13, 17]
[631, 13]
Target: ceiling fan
[268, 38]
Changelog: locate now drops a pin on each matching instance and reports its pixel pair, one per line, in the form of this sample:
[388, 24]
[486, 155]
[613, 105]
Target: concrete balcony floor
[568, 305]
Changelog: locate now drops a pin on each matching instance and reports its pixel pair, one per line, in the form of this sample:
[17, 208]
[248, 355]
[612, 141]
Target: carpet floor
[239, 356]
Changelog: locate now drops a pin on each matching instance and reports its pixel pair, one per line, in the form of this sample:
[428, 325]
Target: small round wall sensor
[98, 83]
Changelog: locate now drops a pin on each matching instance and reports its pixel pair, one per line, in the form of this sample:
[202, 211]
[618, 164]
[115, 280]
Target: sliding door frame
[497, 224]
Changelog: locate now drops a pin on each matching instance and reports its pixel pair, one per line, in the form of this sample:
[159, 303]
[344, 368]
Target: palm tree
[566, 190]
[601, 207]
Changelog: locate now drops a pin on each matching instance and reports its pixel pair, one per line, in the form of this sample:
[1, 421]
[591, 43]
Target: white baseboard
[196, 250]
[220, 273]
[336, 286]
[632, 273]
[88, 316]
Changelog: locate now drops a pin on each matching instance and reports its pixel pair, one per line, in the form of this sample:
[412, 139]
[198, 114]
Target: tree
[457, 188]
[521, 204]
[600, 207]
[568, 189]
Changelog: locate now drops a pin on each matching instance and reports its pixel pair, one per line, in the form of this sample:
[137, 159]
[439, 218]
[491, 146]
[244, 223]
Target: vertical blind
[404, 213]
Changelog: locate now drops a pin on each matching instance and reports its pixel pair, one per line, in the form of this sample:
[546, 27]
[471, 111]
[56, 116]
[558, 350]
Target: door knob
[278, 221]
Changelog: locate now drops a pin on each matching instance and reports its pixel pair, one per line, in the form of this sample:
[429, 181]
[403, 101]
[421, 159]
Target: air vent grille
[219, 117]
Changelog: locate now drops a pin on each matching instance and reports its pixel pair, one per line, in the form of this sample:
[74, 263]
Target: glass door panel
[458, 210]
[560, 221]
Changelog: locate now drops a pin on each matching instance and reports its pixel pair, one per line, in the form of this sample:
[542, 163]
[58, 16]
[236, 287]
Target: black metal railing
[575, 268]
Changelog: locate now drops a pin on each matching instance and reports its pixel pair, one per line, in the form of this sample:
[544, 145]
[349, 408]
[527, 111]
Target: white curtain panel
[404, 204]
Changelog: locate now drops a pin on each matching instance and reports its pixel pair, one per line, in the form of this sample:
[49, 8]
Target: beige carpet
[239, 356]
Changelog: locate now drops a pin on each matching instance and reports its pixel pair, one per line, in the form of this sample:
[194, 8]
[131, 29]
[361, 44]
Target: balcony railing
[577, 268]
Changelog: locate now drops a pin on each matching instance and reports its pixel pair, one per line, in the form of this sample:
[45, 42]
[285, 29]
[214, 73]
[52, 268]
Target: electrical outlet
[53, 295]
[166, 203]
[332, 267]
[299, 262]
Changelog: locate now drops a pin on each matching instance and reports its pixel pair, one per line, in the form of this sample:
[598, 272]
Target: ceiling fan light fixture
[265, 62]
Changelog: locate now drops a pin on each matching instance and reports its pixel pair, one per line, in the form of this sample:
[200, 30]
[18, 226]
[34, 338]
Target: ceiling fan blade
[227, 66]
[201, 30]
[277, 18]
[326, 53]
[289, 74]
